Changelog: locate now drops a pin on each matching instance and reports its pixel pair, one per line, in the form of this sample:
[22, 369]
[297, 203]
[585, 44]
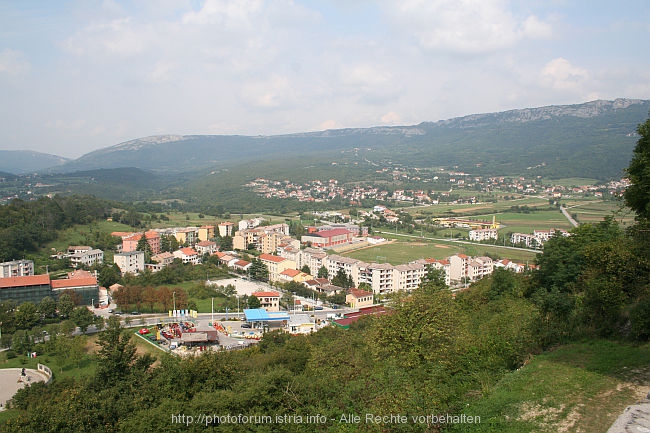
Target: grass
[399, 252]
[402, 250]
[579, 387]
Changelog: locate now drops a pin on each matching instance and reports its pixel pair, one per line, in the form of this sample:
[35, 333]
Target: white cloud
[13, 62]
[466, 26]
[391, 118]
[228, 13]
[329, 124]
[560, 74]
[274, 92]
[123, 37]
[534, 28]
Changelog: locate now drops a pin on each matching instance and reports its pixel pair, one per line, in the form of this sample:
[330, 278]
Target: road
[568, 216]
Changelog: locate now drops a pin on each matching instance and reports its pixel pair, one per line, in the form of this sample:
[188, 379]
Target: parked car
[245, 325]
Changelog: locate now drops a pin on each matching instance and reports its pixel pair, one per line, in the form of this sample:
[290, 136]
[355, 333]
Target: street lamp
[174, 298]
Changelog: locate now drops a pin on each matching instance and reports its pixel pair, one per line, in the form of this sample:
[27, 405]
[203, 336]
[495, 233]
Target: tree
[226, 243]
[116, 353]
[26, 316]
[82, 317]
[342, 279]
[47, 307]
[322, 272]
[637, 195]
[109, 274]
[143, 245]
[258, 270]
[305, 269]
[254, 302]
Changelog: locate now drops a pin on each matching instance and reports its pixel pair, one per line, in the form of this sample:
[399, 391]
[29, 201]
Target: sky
[80, 75]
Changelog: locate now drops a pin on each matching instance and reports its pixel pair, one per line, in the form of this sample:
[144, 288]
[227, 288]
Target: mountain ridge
[27, 161]
[545, 136]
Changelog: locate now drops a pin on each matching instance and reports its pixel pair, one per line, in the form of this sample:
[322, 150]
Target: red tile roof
[75, 282]
[266, 294]
[290, 272]
[358, 293]
[332, 232]
[30, 280]
[272, 258]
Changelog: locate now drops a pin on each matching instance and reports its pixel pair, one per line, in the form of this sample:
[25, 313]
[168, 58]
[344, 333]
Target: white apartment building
[483, 235]
[131, 262]
[86, 258]
[17, 268]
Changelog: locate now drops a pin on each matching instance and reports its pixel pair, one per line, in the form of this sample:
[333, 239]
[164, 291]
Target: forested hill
[592, 140]
[26, 161]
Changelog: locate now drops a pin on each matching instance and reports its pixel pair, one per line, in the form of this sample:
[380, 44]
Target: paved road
[568, 216]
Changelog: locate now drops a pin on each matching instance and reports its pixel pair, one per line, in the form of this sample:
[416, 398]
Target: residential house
[300, 324]
[357, 298]
[294, 275]
[165, 259]
[206, 247]
[241, 265]
[188, 255]
[270, 301]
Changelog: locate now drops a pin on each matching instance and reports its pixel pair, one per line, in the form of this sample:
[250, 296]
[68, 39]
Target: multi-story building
[205, 233]
[21, 289]
[131, 262]
[186, 236]
[270, 301]
[479, 267]
[458, 264]
[206, 247]
[479, 235]
[356, 298]
[86, 287]
[17, 268]
[86, 258]
[380, 276]
[188, 255]
[408, 276]
[226, 228]
[130, 243]
[276, 265]
[265, 239]
[440, 264]
[328, 238]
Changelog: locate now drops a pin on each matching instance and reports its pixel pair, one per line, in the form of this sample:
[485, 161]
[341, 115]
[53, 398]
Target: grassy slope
[581, 387]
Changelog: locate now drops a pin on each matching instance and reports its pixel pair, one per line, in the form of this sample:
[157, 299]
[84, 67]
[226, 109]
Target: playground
[190, 337]
[13, 379]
